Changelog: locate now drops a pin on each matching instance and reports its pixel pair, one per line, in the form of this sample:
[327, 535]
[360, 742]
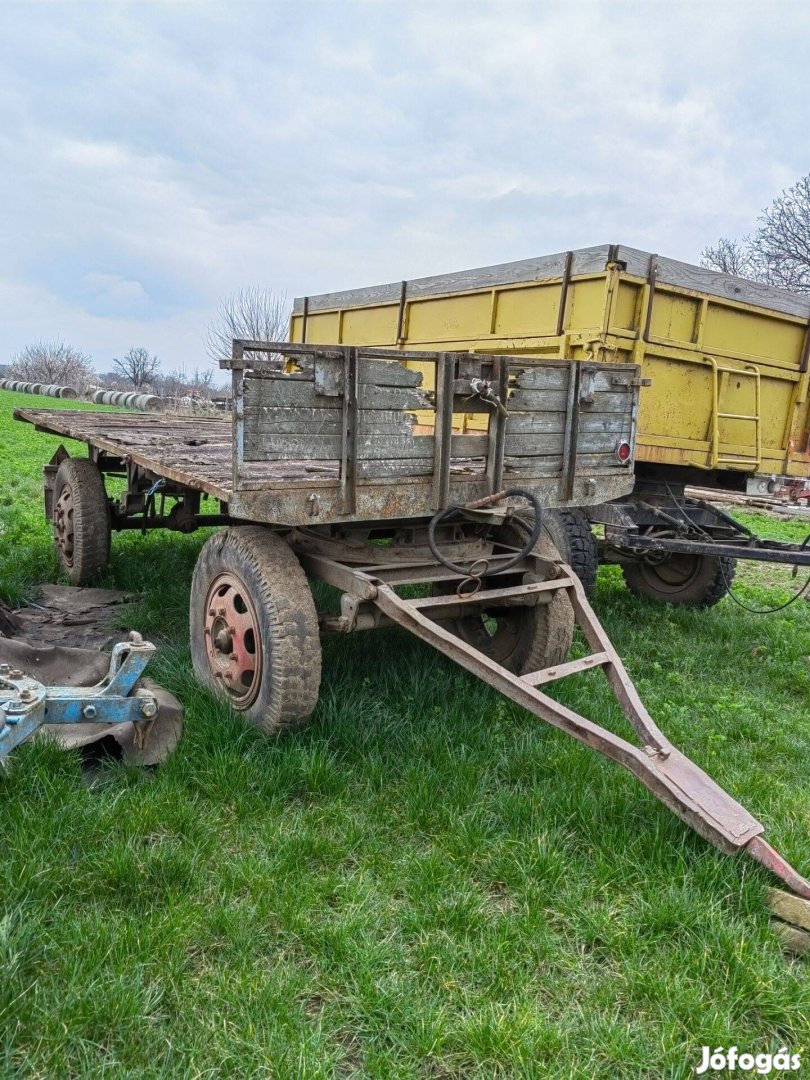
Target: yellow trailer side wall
[703, 353]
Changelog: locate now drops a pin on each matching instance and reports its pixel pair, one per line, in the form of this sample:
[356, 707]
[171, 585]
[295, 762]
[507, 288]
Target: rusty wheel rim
[63, 524]
[233, 642]
[674, 573]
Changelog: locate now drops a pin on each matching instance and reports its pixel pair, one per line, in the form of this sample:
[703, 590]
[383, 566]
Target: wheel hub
[676, 571]
[233, 640]
[63, 524]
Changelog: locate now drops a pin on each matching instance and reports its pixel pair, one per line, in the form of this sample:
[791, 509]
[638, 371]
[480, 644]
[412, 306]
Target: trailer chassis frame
[369, 600]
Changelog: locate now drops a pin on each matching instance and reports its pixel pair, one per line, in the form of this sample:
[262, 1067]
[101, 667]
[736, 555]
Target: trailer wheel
[521, 639]
[254, 628]
[570, 531]
[81, 520]
[689, 580]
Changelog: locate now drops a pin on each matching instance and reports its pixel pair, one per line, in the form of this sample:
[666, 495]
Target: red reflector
[623, 452]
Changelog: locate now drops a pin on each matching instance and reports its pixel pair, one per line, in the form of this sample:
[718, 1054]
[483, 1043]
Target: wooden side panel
[299, 416]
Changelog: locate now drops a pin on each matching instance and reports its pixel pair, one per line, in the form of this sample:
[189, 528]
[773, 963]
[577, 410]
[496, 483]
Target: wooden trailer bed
[332, 436]
[196, 452]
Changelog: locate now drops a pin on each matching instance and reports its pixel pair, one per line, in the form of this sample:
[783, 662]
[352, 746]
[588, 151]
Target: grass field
[427, 883]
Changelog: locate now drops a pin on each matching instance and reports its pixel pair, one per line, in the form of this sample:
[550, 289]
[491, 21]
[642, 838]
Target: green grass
[427, 883]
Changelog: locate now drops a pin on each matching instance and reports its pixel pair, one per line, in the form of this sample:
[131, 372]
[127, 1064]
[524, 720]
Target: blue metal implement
[25, 704]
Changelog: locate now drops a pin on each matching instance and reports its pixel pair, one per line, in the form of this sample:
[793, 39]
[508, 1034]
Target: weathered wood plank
[543, 378]
[536, 445]
[554, 401]
[269, 447]
[584, 261]
[275, 447]
[377, 372]
[790, 908]
[544, 268]
[295, 393]
[303, 421]
[699, 279]
[791, 938]
[585, 463]
[528, 423]
[415, 467]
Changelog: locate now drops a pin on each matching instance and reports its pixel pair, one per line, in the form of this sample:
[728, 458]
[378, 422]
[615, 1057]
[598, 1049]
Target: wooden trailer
[324, 475]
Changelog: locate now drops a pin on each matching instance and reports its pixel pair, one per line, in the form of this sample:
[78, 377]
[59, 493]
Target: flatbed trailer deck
[190, 451]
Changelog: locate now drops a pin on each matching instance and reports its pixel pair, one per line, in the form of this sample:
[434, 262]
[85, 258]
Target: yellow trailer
[726, 360]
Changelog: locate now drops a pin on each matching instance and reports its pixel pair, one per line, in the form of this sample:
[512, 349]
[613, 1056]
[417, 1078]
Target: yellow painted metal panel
[323, 328]
[370, 326]
[462, 316]
[586, 305]
[627, 306]
[529, 310]
[680, 408]
[732, 330]
[674, 318]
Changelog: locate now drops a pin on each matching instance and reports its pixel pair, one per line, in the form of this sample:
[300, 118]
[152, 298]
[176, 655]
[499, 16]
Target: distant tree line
[254, 314]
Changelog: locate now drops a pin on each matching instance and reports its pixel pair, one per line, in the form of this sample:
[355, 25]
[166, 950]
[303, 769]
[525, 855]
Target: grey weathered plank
[789, 907]
[527, 423]
[544, 268]
[554, 401]
[539, 445]
[378, 372]
[699, 279]
[791, 938]
[275, 447]
[584, 261]
[286, 392]
[541, 378]
[304, 421]
[265, 446]
[585, 463]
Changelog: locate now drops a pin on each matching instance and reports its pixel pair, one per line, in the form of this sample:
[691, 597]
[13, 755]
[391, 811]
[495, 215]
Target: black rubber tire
[571, 533]
[287, 623]
[81, 533]
[688, 580]
[525, 638]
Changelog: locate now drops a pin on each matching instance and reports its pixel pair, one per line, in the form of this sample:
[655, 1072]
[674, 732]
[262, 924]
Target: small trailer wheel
[254, 628]
[521, 639]
[81, 520]
[687, 580]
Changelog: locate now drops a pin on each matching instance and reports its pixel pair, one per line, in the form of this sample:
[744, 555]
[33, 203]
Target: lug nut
[27, 694]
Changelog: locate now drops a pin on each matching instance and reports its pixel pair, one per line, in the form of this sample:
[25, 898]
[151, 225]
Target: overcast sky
[157, 156]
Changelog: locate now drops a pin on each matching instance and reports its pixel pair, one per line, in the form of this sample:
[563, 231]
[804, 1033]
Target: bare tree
[778, 251]
[201, 383]
[253, 314]
[137, 367]
[730, 257]
[53, 362]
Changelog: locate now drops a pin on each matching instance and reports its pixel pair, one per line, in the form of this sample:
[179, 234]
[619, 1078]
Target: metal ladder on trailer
[370, 599]
[721, 373]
